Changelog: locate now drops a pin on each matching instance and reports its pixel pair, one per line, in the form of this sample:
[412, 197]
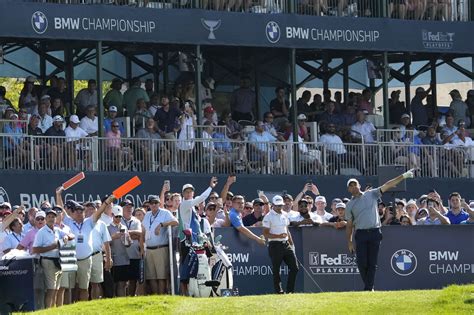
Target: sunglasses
[154, 202]
[212, 197]
[118, 216]
[115, 126]
[211, 209]
[248, 207]
[39, 219]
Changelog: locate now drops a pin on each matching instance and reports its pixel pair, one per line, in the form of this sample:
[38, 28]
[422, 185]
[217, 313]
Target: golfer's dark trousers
[282, 252]
[367, 250]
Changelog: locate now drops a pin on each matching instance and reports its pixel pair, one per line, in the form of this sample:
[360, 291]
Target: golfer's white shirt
[277, 223]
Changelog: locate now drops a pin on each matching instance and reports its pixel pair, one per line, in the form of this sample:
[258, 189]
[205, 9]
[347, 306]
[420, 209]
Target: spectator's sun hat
[301, 117]
[320, 198]
[74, 119]
[405, 116]
[45, 97]
[58, 118]
[112, 109]
[341, 205]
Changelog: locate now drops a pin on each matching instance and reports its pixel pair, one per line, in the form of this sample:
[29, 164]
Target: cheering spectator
[434, 217]
[90, 122]
[114, 97]
[28, 98]
[243, 101]
[86, 97]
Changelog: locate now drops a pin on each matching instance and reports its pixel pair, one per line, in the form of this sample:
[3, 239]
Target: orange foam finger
[127, 187]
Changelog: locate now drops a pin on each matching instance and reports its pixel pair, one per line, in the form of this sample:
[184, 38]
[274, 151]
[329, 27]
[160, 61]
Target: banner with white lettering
[187, 26]
[16, 286]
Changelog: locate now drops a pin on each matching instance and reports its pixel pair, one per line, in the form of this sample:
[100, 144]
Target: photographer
[434, 215]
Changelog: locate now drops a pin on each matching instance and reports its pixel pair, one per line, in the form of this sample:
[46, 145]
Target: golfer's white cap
[278, 201]
[352, 180]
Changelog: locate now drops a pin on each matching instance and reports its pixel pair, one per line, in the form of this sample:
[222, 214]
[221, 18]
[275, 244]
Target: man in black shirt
[279, 105]
[257, 214]
[33, 129]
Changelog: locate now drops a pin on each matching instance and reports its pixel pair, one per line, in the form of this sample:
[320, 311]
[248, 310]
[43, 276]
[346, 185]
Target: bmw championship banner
[127, 24]
[16, 286]
[420, 257]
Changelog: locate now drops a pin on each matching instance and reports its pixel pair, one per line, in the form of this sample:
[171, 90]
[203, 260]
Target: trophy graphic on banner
[211, 26]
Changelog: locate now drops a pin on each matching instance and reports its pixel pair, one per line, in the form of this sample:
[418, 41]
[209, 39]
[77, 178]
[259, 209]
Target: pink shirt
[113, 139]
[27, 241]
[367, 106]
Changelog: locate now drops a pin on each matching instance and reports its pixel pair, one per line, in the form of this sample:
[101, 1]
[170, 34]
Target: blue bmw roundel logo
[39, 22]
[403, 262]
[272, 31]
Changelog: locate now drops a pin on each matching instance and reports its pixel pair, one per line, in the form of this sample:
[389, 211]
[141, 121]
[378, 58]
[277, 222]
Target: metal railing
[222, 156]
[441, 10]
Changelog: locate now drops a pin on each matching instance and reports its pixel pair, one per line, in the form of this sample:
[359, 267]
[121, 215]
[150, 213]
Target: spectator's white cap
[352, 180]
[58, 118]
[14, 116]
[278, 201]
[301, 117]
[6, 204]
[320, 198]
[411, 202]
[341, 205]
[113, 109]
[117, 210]
[45, 97]
[74, 119]
[40, 214]
[366, 112]
[422, 209]
[186, 186]
[30, 79]
[405, 116]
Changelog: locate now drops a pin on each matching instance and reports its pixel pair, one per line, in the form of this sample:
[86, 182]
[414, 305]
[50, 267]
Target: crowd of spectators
[442, 10]
[218, 139]
[111, 239]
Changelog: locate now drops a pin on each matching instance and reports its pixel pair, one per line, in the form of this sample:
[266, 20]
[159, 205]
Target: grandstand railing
[447, 10]
[219, 156]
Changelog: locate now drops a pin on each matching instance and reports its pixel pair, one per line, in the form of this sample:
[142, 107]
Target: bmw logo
[39, 22]
[272, 30]
[403, 262]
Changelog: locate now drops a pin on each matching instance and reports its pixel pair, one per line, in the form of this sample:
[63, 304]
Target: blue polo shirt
[457, 219]
[235, 218]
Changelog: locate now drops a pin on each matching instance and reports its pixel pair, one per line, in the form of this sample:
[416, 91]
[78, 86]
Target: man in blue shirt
[235, 218]
[456, 213]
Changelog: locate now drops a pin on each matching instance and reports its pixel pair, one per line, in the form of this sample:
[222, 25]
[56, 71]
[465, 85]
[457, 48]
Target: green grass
[451, 300]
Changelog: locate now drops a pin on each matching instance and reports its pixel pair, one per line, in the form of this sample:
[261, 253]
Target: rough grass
[451, 300]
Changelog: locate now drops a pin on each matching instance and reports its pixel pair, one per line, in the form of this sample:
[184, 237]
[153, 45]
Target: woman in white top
[186, 135]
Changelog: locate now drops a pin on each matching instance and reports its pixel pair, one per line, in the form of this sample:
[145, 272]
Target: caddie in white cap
[362, 215]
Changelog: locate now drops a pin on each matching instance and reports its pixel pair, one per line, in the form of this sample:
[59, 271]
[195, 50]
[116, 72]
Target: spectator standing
[321, 204]
[418, 109]
[304, 217]
[46, 244]
[28, 97]
[132, 95]
[141, 114]
[86, 97]
[470, 104]
[154, 104]
[235, 217]
[365, 103]
[119, 244]
[458, 108]
[243, 101]
[149, 87]
[435, 217]
[14, 237]
[363, 216]
[280, 245]
[114, 97]
[61, 92]
[396, 108]
[186, 142]
[256, 216]
[4, 102]
[302, 107]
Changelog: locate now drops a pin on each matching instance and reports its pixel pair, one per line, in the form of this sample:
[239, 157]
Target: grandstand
[185, 90]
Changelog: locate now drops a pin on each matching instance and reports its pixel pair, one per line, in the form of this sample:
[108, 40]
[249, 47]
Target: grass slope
[451, 300]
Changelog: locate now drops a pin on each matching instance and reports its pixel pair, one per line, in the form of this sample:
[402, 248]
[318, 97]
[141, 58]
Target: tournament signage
[422, 257]
[189, 26]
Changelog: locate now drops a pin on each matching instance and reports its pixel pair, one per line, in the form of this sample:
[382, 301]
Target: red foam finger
[127, 187]
[74, 180]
